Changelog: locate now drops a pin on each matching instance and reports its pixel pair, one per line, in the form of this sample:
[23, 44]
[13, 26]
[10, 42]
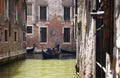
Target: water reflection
[32, 68]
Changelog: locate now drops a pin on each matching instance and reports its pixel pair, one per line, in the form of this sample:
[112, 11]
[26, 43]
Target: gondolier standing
[57, 44]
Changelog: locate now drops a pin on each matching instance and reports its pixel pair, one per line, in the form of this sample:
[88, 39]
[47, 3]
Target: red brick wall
[1, 6]
[12, 47]
[58, 27]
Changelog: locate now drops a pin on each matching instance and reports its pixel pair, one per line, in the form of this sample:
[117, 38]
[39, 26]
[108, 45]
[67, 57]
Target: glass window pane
[66, 34]
[43, 34]
[67, 13]
[43, 13]
[6, 35]
[29, 9]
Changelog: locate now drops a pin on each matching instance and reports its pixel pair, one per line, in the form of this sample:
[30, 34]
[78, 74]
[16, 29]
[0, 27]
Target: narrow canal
[36, 68]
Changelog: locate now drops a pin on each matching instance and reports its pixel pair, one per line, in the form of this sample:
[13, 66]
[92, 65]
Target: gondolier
[57, 44]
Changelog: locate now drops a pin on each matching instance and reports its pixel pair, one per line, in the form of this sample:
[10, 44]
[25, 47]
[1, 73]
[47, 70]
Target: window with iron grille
[43, 34]
[43, 13]
[66, 35]
[67, 13]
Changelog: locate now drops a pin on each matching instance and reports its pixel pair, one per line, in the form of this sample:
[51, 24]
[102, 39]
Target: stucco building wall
[86, 40]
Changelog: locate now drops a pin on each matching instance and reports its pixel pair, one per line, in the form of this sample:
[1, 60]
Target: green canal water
[31, 68]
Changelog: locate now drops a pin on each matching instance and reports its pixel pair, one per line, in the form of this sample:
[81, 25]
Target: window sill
[66, 43]
[30, 34]
[43, 42]
[67, 21]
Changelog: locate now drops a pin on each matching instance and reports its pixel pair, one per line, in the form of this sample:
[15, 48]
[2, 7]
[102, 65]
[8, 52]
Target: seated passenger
[49, 51]
[53, 51]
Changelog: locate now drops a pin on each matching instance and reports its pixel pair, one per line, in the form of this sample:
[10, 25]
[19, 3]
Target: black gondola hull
[30, 50]
[68, 52]
[50, 56]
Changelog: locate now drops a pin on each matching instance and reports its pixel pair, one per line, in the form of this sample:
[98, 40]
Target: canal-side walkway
[36, 68]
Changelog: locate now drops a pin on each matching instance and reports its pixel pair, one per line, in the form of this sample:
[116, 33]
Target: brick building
[48, 21]
[12, 29]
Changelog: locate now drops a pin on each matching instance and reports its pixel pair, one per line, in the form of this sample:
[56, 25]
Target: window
[43, 13]
[15, 36]
[29, 29]
[29, 9]
[6, 35]
[6, 8]
[24, 36]
[43, 34]
[16, 16]
[66, 35]
[67, 13]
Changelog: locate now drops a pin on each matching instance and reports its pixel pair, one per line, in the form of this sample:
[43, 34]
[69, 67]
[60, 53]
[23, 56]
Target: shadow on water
[39, 56]
[7, 71]
[38, 68]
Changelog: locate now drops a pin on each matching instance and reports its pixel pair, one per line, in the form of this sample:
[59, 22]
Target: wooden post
[108, 27]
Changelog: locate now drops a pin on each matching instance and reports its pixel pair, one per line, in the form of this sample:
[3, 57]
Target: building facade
[85, 38]
[12, 29]
[97, 38]
[49, 21]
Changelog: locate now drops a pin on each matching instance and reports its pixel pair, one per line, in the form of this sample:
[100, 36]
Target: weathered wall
[86, 41]
[9, 22]
[116, 52]
[55, 21]
[86, 36]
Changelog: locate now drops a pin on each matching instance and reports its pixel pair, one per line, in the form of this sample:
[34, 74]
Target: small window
[29, 29]
[67, 13]
[29, 9]
[16, 16]
[6, 35]
[43, 13]
[6, 8]
[66, 35]
[43, 34]
[24, 36]
[15, 36]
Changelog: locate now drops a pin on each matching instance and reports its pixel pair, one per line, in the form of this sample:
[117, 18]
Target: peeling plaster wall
[116, 52]
[86, 41]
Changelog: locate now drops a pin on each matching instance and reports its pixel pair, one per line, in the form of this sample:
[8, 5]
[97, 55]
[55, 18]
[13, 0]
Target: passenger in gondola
[49, 51]
[53, 51]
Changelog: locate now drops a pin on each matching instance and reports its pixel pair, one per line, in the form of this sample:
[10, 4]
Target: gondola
[30, 50]
[50, 55]
[68, 52]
